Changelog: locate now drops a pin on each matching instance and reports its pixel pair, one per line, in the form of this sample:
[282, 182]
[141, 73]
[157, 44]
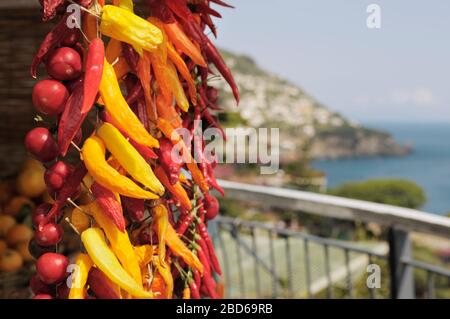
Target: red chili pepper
[221, 3]
[195, 292]
[51, 41]
[176, 190]
[139, 108]
[71, 119]
[135, 93]
[93, 73]
[131, 57]
[215, 57]
[185, 220]
[69, 189]
[102, 286]
[134, 207]
[204, 9]
[212, 180]
[203, 232]
[109, 204]
[50, 8]
[160, 10]
[171, 164]
[207, 278]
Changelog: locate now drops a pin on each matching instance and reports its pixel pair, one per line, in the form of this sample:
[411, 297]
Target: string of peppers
[143, 228]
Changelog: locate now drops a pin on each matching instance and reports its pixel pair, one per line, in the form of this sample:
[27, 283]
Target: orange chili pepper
[167, 110]
[186, 293]
[183, 43]
[145, 78]
[169, 131]
[113, 50]
[177, 190]
[184, 71]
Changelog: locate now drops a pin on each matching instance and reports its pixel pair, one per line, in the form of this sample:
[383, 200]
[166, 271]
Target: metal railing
[261, 260]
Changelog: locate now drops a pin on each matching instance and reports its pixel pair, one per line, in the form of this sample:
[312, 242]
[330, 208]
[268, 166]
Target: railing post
[402, 277]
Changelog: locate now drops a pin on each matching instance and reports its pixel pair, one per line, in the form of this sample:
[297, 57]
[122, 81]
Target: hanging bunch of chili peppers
[143, 227]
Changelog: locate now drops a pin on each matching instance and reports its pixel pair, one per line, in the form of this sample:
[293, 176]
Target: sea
[428, 165]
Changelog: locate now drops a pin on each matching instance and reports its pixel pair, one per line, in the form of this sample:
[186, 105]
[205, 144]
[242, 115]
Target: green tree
[398, 192]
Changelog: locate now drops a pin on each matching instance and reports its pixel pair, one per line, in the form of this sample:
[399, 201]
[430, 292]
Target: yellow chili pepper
[144, 254]
[166, 274]
[119, 241]
[119, 110]
[94, 241]
[93, 155]
[125, 26]
[176, 87]
[161, 219]
[129, 158]
[79, 277]
[177, 246]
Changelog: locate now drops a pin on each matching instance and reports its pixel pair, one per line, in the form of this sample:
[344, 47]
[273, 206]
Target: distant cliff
[269, 101]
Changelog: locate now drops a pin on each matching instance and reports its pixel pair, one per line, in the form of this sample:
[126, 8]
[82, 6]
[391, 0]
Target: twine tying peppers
[144, 228]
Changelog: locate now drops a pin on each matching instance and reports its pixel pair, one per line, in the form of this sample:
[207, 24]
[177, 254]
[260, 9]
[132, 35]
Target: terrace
[261, 260]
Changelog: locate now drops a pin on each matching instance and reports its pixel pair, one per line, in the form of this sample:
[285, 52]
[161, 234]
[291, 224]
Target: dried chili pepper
[134, 207]
[70, 188]
[93, 73]
[135, 93]
[131, 56]
[169, 161]
[207, 278]
[181, 41]
[102, 286]
[109, 204]
[194, 290]
[176, 189]
[215, 57]
[71, 119]
[50, 8]
[203, 232]
[51, 41]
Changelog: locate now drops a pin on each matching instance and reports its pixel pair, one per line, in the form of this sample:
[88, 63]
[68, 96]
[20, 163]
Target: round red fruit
[49, 235]
[41, 144]
[64, 64]
[56, 175]
[51, 268]
[49, 97]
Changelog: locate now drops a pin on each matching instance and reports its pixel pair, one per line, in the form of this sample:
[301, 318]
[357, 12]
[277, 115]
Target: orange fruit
[23, 250]
[18, 205]
[6, 223]
[10, 260]
[18, 234]
[31, 182]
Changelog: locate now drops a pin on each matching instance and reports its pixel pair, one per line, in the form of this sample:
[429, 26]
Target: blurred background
[363, 113]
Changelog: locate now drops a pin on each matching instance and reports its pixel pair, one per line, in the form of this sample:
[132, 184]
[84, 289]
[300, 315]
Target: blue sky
[400, 72]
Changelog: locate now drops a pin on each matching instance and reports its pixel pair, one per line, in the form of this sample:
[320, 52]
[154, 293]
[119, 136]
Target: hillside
[270, 101]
